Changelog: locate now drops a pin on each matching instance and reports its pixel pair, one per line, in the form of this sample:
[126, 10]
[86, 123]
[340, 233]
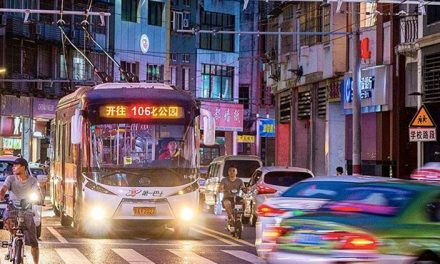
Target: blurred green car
[389, 222]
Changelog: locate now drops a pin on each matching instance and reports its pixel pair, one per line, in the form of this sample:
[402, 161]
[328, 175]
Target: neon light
[141, 111]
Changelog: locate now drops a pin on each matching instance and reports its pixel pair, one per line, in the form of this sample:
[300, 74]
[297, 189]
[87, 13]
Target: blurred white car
[6, 163]
[268, 182]
[307, 195]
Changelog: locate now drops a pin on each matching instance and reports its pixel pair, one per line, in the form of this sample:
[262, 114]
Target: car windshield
[316, 189]
[142, 146]
[376, 200]
[285, 178]
[5, 169]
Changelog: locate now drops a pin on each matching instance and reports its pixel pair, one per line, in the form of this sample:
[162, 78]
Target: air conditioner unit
[185, 23]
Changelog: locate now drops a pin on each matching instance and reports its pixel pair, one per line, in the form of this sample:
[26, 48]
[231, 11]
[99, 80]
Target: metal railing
[408, 29]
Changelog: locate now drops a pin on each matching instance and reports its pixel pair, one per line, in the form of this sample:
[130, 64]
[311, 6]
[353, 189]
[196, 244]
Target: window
[132, 67]
[326, 22]
[186, 2]
[155, 12]
[154, 72]
[129, 10]
[173, 56]
[368, 14]
[63, 67]
[180, 20]
[185, 78]
[218, 21]
[186, 58]
[310, 21]
[432, 13]
[217, 81]
[173, 72]
[243, 94]
[79, 67]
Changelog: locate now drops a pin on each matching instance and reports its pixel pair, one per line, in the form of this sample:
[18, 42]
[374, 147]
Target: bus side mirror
[208, 127]
[76, 128]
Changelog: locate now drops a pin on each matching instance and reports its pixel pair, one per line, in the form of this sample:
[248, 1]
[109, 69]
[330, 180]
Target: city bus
[112, 161]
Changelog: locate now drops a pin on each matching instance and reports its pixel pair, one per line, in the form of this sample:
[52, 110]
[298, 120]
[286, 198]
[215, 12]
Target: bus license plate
[142, 211]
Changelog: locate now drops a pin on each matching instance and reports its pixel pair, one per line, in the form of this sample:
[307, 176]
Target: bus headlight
[97, 213]
[33, 197]
[187, 214]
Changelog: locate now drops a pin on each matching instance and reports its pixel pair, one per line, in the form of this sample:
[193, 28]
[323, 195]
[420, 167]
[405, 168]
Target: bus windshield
[142, 146]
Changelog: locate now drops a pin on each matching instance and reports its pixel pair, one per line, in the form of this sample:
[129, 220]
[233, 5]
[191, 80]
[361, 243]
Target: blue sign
[348, 90]
[266, 127]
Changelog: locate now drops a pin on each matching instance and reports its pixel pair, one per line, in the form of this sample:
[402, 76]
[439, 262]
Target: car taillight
[265, 210]
[271, 234]
[264, 189]
[346, 240]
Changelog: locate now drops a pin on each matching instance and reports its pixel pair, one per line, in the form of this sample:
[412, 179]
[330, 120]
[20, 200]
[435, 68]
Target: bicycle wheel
[18, 253]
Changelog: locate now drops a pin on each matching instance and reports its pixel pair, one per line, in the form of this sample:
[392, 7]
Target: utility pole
[356, 105]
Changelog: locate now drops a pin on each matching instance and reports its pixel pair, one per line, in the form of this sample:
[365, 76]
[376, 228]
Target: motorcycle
[235, 227]
[16, 241]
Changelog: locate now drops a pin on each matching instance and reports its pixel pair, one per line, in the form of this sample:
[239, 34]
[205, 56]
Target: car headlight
[187, 214]
[98, 188]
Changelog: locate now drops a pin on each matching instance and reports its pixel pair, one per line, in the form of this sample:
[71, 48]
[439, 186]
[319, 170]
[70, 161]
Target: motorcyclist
[228, 184]
[20, 186]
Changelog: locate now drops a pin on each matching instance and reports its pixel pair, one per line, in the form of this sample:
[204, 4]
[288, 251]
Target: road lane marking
[57, 235]
[72, 256]
[132, 256]
[216, 237]
[189, 257]
[227, 236]
[87, 242]
[249, 257]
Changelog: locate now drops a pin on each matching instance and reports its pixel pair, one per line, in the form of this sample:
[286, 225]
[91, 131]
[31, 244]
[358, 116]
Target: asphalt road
[208, 243]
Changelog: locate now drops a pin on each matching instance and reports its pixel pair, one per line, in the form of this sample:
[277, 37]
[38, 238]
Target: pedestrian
[339, 171]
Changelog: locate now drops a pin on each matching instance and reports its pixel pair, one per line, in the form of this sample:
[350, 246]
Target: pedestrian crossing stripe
[422, 118]
[131, 256]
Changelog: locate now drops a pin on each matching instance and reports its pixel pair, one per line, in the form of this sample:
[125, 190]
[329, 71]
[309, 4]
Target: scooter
[236, 226]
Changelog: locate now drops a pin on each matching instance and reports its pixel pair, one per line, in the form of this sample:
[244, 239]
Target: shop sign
[10, 126]
[266, 127]
[422, 127]
[15, 106]
[44, 108]
[374, 89]
[246, 139]
[11, 143]
[228, 116]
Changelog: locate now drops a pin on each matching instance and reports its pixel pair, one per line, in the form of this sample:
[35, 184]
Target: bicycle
[16, 241]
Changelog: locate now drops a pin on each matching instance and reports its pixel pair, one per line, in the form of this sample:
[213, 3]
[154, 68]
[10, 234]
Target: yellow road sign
[422, 118]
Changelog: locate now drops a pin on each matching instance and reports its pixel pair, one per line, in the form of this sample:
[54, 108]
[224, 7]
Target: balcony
[408, 36]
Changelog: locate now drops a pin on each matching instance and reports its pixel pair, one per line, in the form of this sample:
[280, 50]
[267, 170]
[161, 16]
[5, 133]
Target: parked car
[380, 222]
[245, 164]
[305, 196]
[268, 182]
[6, 163]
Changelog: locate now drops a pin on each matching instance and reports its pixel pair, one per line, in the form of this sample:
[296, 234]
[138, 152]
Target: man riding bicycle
[226, 186]
[20, 186]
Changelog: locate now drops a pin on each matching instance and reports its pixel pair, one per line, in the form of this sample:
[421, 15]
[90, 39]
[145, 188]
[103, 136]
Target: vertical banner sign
[422, 127]
[266, 127]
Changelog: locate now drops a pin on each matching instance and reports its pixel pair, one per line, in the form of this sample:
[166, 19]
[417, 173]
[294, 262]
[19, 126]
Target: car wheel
[428, 258]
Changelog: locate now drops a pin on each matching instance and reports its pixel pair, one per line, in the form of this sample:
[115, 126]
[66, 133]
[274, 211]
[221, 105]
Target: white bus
[126, 153]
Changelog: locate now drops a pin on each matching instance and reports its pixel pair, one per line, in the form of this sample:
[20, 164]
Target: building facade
[38, 69]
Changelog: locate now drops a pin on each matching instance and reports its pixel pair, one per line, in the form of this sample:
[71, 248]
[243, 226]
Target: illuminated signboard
[141, 111]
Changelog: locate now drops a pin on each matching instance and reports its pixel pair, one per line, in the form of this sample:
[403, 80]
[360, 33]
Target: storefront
[43, 110]
[376, 119]
[229, 121]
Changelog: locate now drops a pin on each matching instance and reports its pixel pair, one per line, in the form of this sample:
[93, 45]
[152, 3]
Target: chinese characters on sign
[422, 127]
[246, 139]
[422, 134]
[228, 116]
[367, 86]
[141, 111]
[266, 127]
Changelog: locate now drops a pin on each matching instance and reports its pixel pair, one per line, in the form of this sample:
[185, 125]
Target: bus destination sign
[141, 111]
